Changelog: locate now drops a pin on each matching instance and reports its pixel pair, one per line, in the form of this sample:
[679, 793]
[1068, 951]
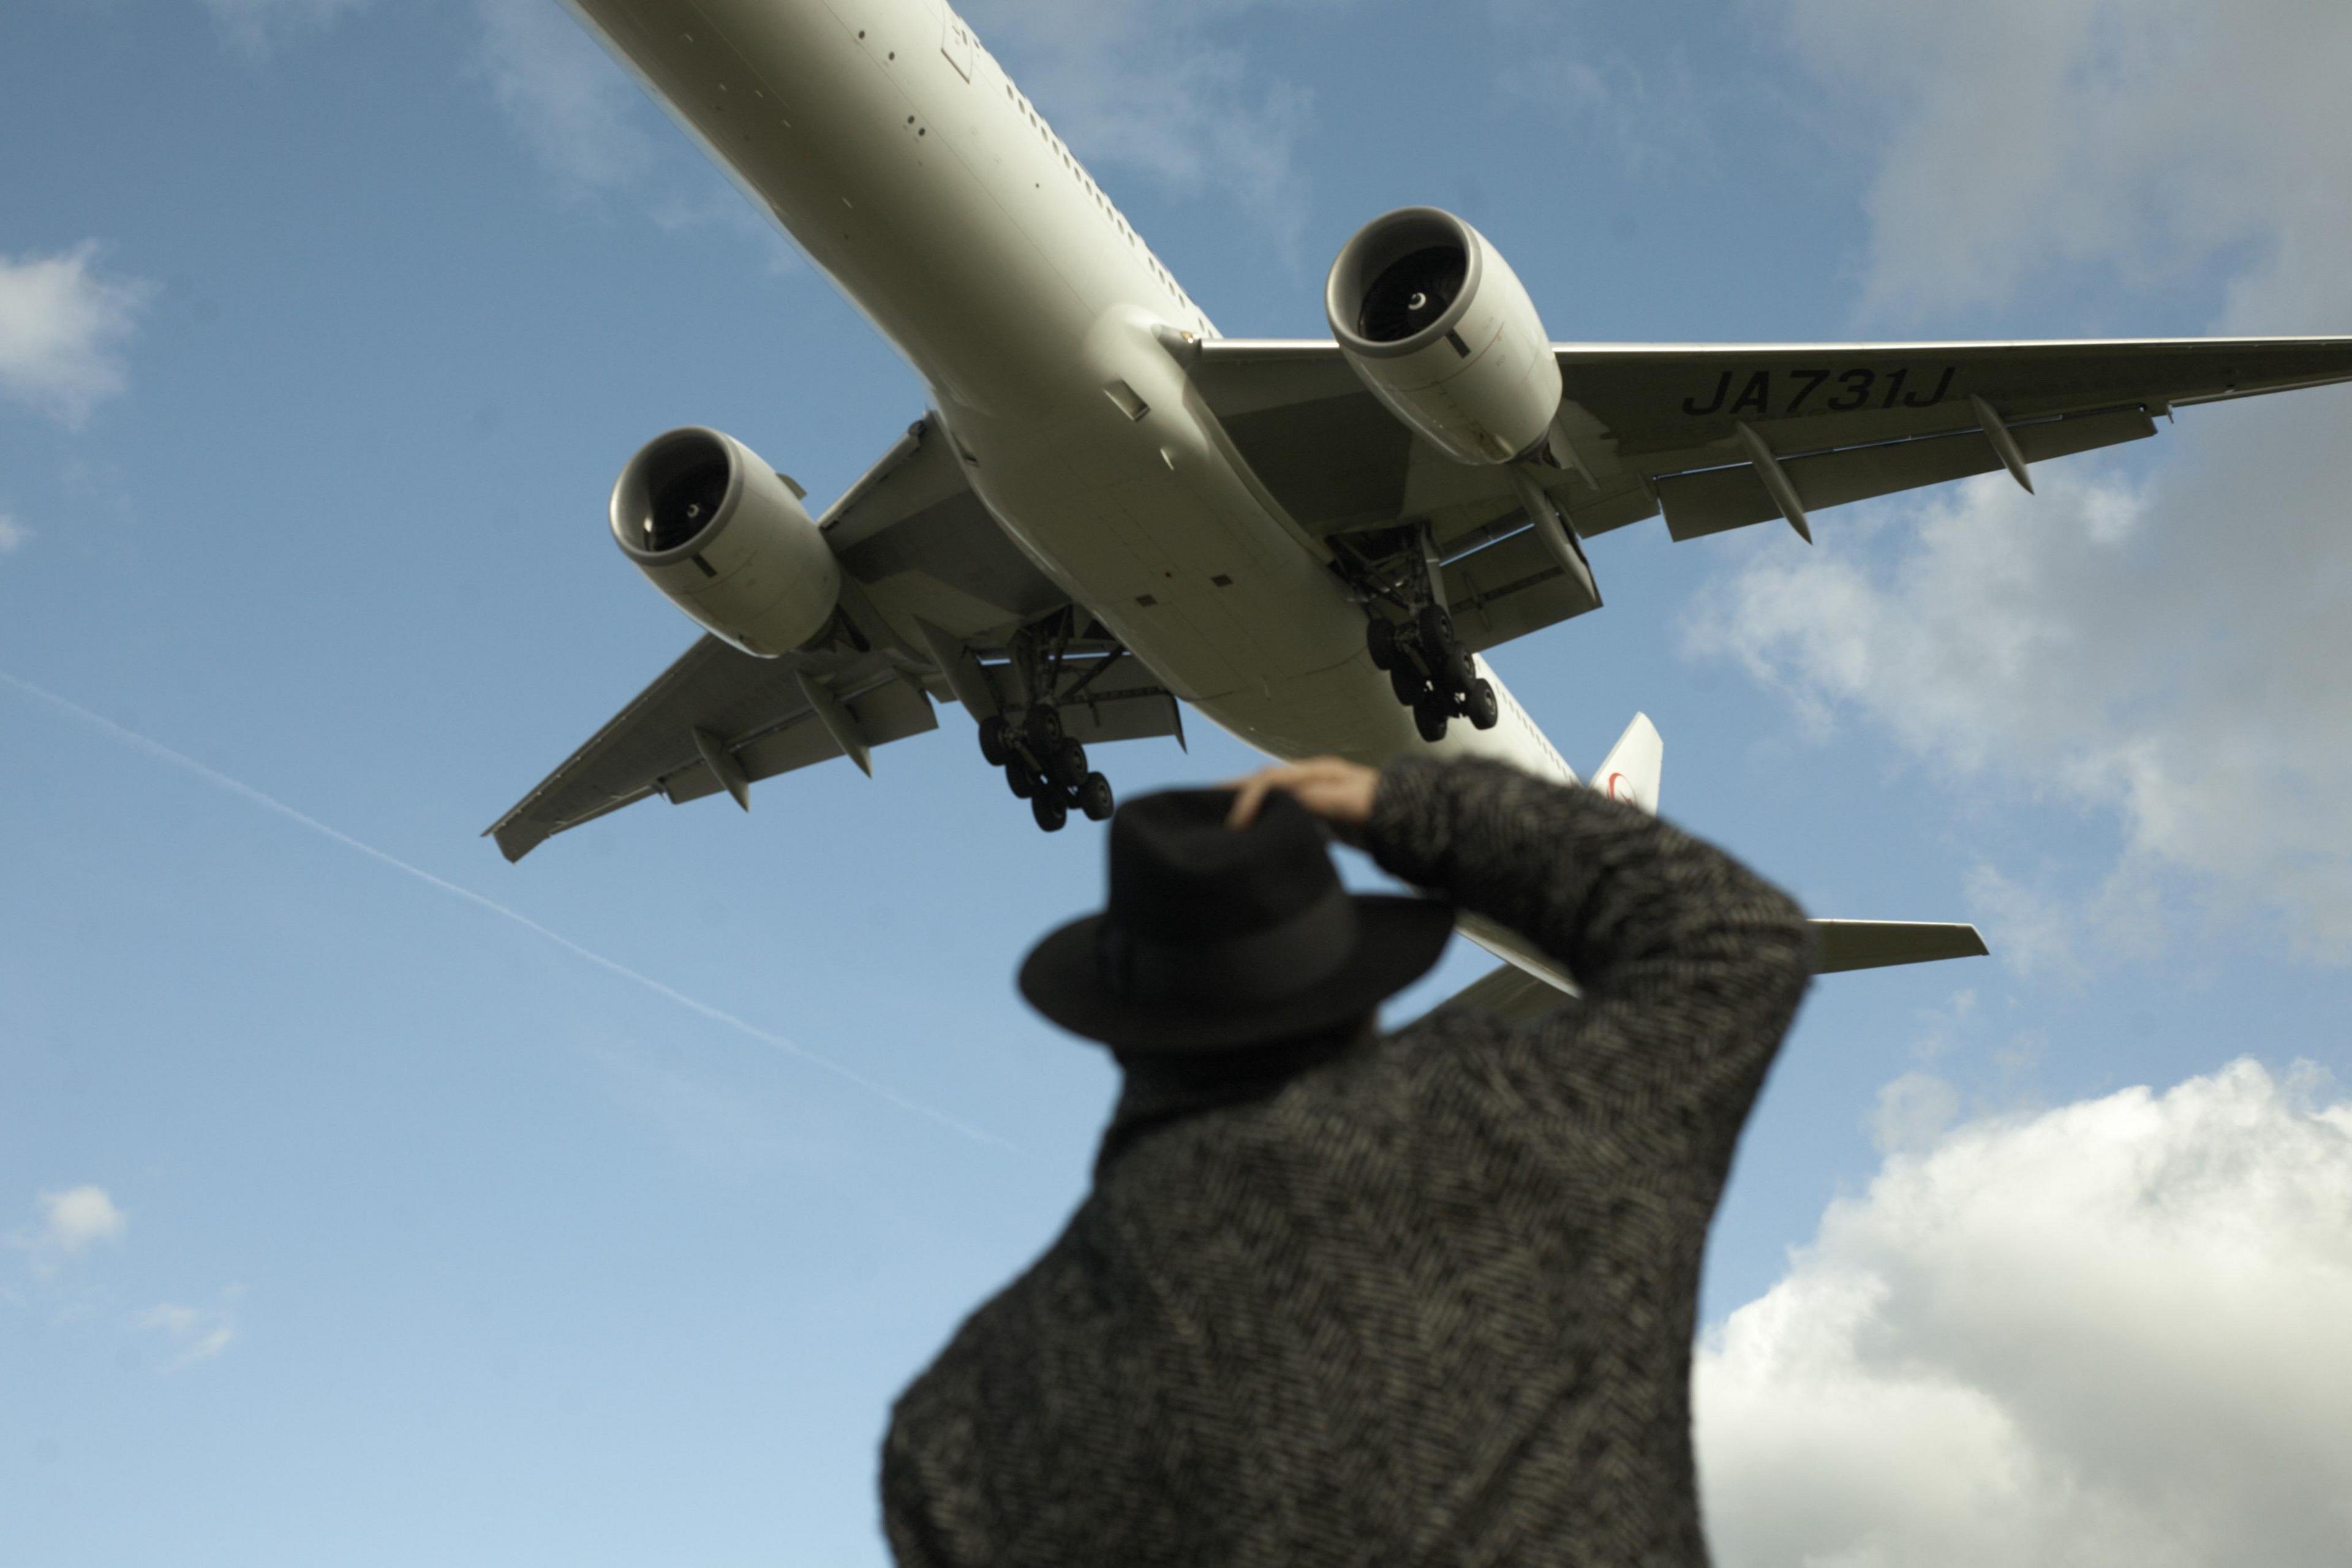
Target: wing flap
[888, 709]
[1715, 500]
[1509, 589]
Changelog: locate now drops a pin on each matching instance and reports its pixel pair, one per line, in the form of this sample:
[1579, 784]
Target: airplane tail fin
[1629, 772]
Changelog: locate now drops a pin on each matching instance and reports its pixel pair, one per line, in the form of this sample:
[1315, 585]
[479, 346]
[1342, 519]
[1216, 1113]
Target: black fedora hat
[1217, 939]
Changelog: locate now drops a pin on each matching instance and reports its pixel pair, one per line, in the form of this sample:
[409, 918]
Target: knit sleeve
[1691, 965]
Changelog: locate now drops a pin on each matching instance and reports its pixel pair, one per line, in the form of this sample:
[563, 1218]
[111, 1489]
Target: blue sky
[365, 1199]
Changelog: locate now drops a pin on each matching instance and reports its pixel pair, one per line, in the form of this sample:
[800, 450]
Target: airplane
[1110, 509]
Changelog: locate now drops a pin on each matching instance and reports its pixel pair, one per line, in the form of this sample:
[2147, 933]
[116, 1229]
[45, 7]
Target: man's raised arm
[1691, 964]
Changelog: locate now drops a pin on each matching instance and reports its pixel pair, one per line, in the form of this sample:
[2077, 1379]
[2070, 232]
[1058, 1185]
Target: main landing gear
[1431, 672]
[1428, 668]
[1046, 768]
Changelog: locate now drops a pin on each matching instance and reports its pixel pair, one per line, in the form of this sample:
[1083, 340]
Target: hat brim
[1399, 940]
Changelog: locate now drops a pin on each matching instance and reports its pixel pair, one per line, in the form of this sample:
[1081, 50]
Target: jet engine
[1442, 329]
[727, 540]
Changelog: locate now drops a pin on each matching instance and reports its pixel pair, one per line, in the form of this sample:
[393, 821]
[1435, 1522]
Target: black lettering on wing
[1722, 391]
[1858, 384]
[1757, 396]
[1933, 398]
[1812, 379]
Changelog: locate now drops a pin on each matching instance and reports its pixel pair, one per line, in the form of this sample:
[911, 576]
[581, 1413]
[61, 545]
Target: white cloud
[574, 106]
[2156, 644]
[2112, 1334]
[2165, 651]
[191, 1334]
[14, 535]
[2140, 136]
[74, 1221]
[62, 327]
[1647, 108]
[258, 26]
[67, 1225]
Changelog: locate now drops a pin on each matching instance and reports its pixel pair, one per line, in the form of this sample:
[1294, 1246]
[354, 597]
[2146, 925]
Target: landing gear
[1052, 667]
[1484, 707]
[1095, 798]
[1428, 668]
[1047, 769]
[1430, 716]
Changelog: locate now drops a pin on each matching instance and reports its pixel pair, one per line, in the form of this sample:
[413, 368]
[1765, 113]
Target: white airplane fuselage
[908, 166]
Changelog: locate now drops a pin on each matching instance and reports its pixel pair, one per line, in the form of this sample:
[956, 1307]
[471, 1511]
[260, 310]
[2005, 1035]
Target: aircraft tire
[1051, 812]
[1381, 642]
[1460, 671]
[1023, 782]
[1095, 798]
[1068, 765]
[1486, 709]
[1045, 728]
[992, 741]
[1407, 685]
[1436, 630]
[1430, 716]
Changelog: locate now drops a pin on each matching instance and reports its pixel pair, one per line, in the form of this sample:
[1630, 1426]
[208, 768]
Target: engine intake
[726, 541]
[1441, 329]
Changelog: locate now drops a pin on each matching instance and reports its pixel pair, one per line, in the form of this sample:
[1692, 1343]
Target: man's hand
[1337, 792]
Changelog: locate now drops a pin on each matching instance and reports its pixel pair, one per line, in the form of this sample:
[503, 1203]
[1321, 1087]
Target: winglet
[1629, 772]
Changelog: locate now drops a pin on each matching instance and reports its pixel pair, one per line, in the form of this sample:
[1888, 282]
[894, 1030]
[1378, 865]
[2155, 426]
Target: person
[1341, 1298]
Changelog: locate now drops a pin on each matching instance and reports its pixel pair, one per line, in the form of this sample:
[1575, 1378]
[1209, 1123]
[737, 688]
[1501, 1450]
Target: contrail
[219, 780]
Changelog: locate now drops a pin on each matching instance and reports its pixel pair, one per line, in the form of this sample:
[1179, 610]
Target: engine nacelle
[1442, 329]
[727, 540]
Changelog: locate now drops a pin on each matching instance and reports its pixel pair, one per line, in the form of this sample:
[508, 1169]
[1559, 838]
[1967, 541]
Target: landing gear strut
[1428, 668]
[1042, 764]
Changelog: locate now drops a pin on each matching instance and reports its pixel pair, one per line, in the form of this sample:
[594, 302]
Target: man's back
[1427, 1300]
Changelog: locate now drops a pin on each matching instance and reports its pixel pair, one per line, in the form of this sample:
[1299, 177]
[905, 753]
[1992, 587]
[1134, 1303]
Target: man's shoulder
[1040, 1307]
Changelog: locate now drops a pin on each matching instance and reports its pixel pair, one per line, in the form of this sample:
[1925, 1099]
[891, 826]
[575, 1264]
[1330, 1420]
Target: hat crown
[1179, 874]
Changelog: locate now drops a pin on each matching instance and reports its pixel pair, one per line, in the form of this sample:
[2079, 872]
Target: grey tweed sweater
[1428, 1299]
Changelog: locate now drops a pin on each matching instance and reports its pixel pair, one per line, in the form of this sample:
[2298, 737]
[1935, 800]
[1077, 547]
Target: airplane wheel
[1045, 729]
[1429, 716]
[1486, 708]
[1460, 672]
[992, 741]
[1095, 799]
[1436, 630]
[1068, 769]
[1023, 782]
[1051, 812]
[1380, 638]
[1407, 683]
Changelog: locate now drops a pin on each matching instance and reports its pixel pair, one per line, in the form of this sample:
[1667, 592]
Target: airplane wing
[1715, 437]
[936, 601]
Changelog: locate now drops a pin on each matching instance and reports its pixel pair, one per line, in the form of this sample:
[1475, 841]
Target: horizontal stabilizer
[1511, 994]
[1847, 945]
